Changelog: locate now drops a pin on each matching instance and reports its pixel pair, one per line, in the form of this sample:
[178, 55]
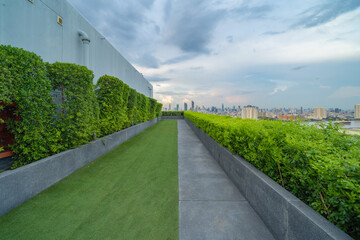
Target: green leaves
[23, 82]
[78, 118]
[321, 166]
[112, 95]
[172, 113]
[121, 106]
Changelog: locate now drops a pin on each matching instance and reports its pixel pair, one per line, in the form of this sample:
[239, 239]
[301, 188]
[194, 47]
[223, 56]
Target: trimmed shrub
[319, 165]
[172, 113]
[158, 109]
[143, 107]
[152, 110]
[132, 108]
[78, 117]
[23, 83]
[112, 95]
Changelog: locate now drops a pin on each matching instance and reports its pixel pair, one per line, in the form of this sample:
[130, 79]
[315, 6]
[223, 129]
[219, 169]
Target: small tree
[23, 84]
[78, 118]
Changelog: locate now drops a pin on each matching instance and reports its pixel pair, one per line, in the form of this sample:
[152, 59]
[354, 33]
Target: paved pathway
[210, 206]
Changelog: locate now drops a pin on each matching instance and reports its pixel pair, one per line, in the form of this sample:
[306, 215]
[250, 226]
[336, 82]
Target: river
[353, 124]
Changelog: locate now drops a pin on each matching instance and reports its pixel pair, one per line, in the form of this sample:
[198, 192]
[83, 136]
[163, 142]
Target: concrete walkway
[210, 206]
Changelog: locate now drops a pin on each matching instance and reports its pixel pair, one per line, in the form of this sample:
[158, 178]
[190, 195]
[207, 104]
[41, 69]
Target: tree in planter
[143, 103]
[158, 109]
[112, 95]
[78, 117]
[23, 83]
[152, 112]
[132, 109]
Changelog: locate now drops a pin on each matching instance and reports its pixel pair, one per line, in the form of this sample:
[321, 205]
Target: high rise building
[222, 108]
[185, 106]
[319, 113]
[177, 107]
[262, 114]
[169, 107]
[250, 112]
[192, 105]
[357, 111]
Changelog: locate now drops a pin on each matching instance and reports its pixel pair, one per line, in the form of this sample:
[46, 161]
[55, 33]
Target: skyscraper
[177, 107]
[169, 107]
[192, 105]
[222, 108]
[319, 113]
[185, 106]
[249, 112]
[357, 111]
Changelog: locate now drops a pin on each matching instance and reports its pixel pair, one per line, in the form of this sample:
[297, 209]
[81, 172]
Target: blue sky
[260, 52]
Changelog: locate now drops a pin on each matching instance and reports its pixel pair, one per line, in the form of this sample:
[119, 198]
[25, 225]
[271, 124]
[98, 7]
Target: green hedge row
[321, 166]
[41, 127]
[172, 113]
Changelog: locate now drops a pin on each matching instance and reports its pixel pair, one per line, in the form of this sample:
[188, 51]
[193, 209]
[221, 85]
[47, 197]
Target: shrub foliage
[40, 130]
[318, 165]
[23, 83]
[79, 111]
[112, 95]
[172, 113]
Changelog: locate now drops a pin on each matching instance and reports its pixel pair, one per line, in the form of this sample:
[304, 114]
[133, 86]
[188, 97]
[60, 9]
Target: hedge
[172, 113]
[112, 95]
[318, 165]
[40, 130]
[132, 110]
[78, 118]
[23, 83]
[158, 109]
[143, 107]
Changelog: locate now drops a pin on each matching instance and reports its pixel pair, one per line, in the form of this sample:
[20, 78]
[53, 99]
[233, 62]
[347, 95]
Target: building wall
[319, 113]
[34, 27]
[249, 112]
[357, 111]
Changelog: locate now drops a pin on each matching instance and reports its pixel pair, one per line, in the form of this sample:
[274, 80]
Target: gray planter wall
[285, 215]
[171, 117]
[21, 184]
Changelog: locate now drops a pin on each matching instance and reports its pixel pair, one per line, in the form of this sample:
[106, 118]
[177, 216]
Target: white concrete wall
[34, 27]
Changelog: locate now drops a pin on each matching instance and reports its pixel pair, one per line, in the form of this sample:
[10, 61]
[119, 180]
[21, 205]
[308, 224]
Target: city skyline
[221, 106]
[303, 53]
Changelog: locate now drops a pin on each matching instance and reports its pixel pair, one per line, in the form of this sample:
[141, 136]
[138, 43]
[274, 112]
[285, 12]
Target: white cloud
[346, 92]
[280, 86]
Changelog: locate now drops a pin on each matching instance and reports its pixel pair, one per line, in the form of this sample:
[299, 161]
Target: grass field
[129, 193]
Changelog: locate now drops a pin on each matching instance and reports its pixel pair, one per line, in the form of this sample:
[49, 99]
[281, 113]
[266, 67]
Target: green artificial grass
[129, 193]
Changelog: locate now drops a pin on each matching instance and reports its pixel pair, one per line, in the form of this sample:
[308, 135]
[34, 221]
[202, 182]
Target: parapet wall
[21, 184]
[285, 215]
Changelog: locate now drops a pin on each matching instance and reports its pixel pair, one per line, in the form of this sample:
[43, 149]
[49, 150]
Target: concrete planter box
[284, 214]
[171, 117]
[21, 184]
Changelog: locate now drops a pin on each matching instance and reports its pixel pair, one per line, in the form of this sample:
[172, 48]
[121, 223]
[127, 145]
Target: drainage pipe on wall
[86, 41]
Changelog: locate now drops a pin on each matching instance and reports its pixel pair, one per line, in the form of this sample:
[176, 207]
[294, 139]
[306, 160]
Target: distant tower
[169, 107]
[222, 107]
[177, 107]
[185, 106]
[301, 110]
[192, 105]
[357, 111]
[250, 112]
[319, 113]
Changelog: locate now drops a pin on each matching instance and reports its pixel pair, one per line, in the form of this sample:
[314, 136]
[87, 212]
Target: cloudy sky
[237, 52]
